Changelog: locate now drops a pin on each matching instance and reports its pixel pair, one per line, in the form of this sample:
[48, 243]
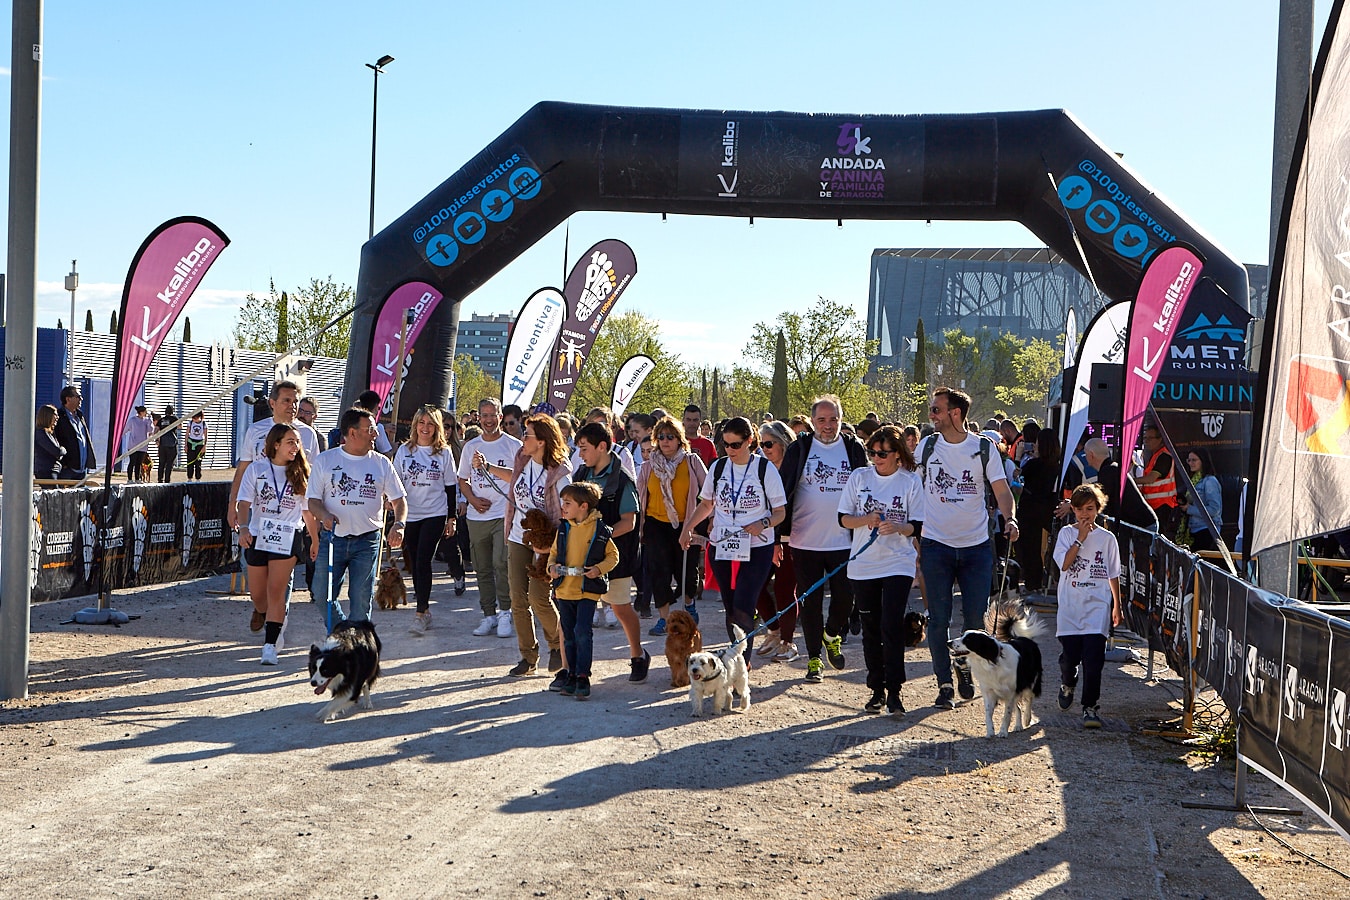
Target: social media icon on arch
[498, 206]
[442, 250]
[469, 227]
[1102, 216]
[525, 183]
[1130, 241]
[1075, 192]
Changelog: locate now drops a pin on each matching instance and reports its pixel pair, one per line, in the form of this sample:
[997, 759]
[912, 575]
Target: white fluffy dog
[717, 675]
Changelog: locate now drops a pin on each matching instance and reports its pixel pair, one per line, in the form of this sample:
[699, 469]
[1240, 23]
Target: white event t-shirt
[353, 489]
[255, 440]
[501, 452]
[1085, 587]
[954, 510]
[898, 497]
[739, 499]
[270, 496]
[425, 475]
[815, 505]
[528, 492]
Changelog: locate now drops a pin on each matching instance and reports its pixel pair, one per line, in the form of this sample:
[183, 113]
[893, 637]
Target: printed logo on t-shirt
[745, 497]
[826, 478]
[967, 485]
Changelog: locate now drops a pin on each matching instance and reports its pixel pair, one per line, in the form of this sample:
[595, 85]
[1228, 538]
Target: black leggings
[881, 603]
[1090, 651]
[661, 556]
[195, 454]
[419, 548]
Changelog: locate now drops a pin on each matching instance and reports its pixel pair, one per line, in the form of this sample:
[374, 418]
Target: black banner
[158, 533]
[1158, 594]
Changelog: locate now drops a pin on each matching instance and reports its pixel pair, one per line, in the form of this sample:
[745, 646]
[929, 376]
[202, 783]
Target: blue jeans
[575, 617]
[943, 566]
[356, 554]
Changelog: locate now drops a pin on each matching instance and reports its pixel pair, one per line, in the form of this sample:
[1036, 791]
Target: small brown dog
[538, 533]
[914, 628]
[682, 639]
[390, 592]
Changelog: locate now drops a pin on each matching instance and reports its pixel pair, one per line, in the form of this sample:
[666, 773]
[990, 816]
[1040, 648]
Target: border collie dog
[1007, 671]
[345, 665]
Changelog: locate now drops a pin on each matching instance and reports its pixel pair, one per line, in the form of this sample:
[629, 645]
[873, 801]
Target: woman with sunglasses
[745, 500]
[779, 596]
[668, 483]
[427, 467]
[1205, 491]
[885, 496]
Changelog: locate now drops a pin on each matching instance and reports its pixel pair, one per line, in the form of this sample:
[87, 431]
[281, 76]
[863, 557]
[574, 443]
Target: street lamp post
[72, 282]
[377, 67]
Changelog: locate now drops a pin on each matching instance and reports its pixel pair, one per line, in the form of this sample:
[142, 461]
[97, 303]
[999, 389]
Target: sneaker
[554, 660]
[269, 658]
[875, 704]
[583, 688]
[659, 629]
[459, 587]
[1090, 717]
[598, 617]
[813, 670]
[834, 651]
[787, 652]
[639, 665]
[569, 686]
[420, 623]
[559, 682]
[611, 620]
[946, 698]
[1065, 696]
[644, 613]
[521, 669]
[894, 707]
[504, 629]
[258, 621]
[486, 627]
[772, 644]
[965, 685]
[692, 609]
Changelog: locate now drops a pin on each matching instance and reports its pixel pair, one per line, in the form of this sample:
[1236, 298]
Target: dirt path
[160, 760]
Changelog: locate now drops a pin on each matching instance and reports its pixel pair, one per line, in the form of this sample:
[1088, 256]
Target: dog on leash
[389, 590]
[682, 640]
[345, 665]
[914, 629]
[1006, 663]
[718, 675]
[538, 534]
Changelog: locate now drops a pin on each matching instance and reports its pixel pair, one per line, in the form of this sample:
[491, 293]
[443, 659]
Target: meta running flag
[1103, 342]
[165, 271]
[421, 299]
[1167, 283]
[1303, 415]
[532, 337]
[628, 380]
[593, 287]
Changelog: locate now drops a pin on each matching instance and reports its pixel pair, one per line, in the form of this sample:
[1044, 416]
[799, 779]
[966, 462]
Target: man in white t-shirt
[348, 487]
[956, 545]
[284, 400]
[815, 470]
[485, 514]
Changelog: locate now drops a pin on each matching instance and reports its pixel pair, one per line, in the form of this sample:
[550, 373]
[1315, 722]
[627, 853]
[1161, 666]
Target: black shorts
[260, 558]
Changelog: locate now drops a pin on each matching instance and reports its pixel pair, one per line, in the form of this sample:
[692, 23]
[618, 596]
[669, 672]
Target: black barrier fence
[1281, 666]
[157, 533]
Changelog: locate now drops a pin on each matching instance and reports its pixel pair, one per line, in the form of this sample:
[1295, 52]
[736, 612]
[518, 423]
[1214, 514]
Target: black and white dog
[1006, 663]
[717, 675]
[346, 664]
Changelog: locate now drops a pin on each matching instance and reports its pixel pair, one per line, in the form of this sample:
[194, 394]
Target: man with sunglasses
[815, 470]
[956, 545]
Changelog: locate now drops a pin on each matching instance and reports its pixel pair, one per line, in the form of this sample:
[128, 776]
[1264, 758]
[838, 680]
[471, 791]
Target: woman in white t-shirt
[272, 511]
[540, 473]
[885, 497]
[427, 468]
[745, 498]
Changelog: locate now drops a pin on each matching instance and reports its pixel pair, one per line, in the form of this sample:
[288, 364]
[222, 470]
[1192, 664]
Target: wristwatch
[400, 525]
[766, 521]
[1078, 544]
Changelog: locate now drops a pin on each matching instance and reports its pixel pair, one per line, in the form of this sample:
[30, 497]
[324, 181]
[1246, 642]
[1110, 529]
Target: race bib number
[735, 547]
[275, 536]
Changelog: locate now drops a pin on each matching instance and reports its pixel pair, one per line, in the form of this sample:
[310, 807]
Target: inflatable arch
[1039, 168]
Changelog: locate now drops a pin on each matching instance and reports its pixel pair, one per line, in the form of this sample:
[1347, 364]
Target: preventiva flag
[532, 337]
[593, 287]
[628, 380]
[416, 297]
[1168, 281]
[164, 273]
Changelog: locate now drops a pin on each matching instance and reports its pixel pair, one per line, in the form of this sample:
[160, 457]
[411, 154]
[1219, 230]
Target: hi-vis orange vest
[1162, 492]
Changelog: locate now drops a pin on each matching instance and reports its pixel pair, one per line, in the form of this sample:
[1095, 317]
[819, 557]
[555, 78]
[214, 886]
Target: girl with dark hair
[1036, 507]
[1204, 489]
[272, 509]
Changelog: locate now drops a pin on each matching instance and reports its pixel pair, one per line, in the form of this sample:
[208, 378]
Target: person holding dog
[427, 468]
[272, 513]
[582, 557]
[887, 496]
[347, 492]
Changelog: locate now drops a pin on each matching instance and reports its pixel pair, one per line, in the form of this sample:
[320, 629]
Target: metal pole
[374, 123]
[72, 281]
[16, 503]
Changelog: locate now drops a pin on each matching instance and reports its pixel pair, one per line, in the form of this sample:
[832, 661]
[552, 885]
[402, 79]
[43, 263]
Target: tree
[716, 405]
[827, 353]
[187, 329]
[473, 384]
[778, 393]
[309, 322]
[1033, 367]
[920, 372]
[112, 323]
[283, 324]
[669, 385]
[88, 320]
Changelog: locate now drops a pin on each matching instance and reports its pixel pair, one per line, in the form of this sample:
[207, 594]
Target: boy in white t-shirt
[1089, 599]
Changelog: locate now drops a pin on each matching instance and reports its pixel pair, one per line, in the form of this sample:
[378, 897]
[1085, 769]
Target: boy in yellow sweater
[582, 555]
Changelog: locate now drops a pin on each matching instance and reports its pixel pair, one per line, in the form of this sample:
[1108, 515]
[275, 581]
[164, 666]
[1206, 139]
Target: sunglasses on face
[936, 410]
[667, 437]
[879, 454]
[768, 444]
[735, 445]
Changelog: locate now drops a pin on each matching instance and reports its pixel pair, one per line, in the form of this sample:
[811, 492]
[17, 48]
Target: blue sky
[257, 116]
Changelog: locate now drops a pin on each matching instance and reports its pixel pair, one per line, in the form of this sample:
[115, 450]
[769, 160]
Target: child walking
[582, 556]
[1089, 599]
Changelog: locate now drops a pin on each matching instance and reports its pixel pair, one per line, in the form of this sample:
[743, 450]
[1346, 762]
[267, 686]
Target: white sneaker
[485, 627]
[611, 620]
[770, 646]
[787, 652]
[504, 629]
[599, 618]
[421, 622]
[269, 654]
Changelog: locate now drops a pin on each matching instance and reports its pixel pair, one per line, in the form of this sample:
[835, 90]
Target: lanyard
[280, 486]
[736, 492]
[533, 479]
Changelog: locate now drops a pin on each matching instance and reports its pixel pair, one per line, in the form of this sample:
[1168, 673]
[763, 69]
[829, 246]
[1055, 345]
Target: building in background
[484, 339]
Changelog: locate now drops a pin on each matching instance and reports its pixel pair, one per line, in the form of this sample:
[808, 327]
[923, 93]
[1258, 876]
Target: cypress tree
[778, 392]
[187, 329]
[920, 355]
[88, 320]
[716, 413]
[112, 323]
[283, 324]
